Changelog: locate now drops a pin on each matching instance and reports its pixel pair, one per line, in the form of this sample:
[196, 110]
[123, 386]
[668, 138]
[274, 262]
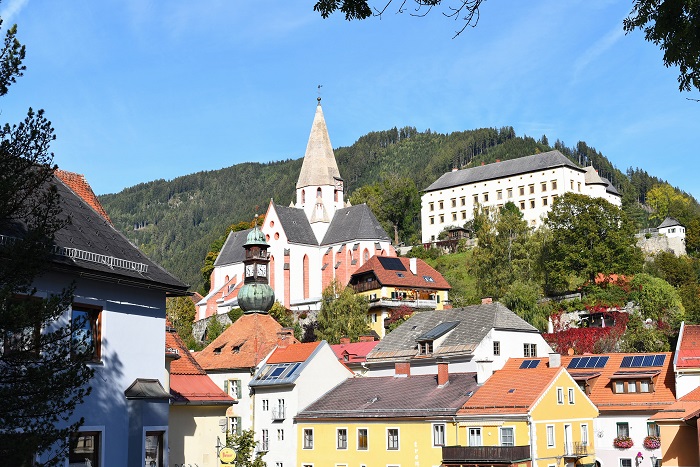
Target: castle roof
[534, 163]
[319, 167]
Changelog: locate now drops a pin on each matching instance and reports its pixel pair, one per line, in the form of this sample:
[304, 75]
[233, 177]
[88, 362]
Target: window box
[623, 442]
[652, 442]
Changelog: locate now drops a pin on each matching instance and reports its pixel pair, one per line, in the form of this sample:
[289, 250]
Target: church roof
[233, 251]
[536, 162]
[354, 223]
[296, 226]
[319, 167]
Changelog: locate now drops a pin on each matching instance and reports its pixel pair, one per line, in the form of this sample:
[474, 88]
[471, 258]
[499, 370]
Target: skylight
[428, 279]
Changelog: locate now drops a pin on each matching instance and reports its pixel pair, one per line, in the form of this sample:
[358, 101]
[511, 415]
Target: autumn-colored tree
[667, 201]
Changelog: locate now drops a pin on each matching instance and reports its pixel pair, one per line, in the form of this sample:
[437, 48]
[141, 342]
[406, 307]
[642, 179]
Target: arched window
[318, 193]
[303, 196]
[365, 256]
[305, 275]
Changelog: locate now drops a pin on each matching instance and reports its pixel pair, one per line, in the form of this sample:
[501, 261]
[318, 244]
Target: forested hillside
[175, 222]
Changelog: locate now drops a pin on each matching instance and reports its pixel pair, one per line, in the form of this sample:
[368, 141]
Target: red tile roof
[189, 383]
[688, 355]
[602, 395]
[391, 278]
[685, 408]
[511, 389]
[80, 186]
[293, 353]
[242, 345]
[356, 351]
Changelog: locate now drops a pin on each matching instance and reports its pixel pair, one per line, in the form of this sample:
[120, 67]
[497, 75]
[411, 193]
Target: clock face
[249, 269]
[262, 270]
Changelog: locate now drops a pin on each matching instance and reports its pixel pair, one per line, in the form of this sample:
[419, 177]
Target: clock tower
[256, 295]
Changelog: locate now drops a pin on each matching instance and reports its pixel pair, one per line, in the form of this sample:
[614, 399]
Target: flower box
[623, 442]
[652, 442]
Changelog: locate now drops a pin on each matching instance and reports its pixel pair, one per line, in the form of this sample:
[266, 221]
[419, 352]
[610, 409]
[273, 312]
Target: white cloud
[10, 9]
[597, 50]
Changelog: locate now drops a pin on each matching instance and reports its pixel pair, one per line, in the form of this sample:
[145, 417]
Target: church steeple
[319, 167]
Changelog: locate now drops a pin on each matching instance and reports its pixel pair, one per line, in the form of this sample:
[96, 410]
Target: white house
[120, 293]
[313, 241]
[686, 360]
[289, 380]
[477, 338]
[532, 183]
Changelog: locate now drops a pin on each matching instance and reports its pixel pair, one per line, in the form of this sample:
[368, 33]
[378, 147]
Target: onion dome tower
[256, 295]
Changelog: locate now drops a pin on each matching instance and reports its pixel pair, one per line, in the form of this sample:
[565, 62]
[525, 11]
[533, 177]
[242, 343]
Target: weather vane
[319, 93]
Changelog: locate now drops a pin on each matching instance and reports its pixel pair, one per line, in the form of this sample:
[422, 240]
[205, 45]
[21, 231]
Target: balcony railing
[396, 302]
[577, 450]
[278, 414]
[484, 454]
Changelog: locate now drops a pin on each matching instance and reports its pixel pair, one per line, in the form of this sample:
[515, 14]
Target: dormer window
[425, 348]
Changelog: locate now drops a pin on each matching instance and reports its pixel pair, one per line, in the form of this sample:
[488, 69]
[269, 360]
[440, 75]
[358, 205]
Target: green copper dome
[255, 237]
[256, 298]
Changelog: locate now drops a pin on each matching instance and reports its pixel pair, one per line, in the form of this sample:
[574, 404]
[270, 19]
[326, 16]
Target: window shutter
[239, 421]
[226, 386]
[238, 388]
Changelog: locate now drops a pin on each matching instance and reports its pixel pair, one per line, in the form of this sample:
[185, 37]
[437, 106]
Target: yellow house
[383, 421]
[390, 283]
[530, 413]
[678, 427]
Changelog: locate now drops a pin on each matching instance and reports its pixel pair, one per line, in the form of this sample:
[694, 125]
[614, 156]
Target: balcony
[577, 450]
[493, 455]
[278, 414]
[396, 302]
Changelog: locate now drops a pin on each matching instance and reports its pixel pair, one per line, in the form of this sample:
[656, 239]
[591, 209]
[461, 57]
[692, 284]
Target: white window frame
[584, 434]
[398, 439]
[436, 433]
[560, 396]
[337, 439]
[469, 435]
[500, 435]
[304, 445]
[571, 396]
[366, 438]
[553, 437]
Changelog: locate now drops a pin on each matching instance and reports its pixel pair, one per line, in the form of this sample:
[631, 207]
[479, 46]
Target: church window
[303, 196]
[318, 193]
[365, 255]
[306, 276]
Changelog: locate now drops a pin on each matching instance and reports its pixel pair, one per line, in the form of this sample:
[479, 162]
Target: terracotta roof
[425, 278]
[81, 187]
[688, 355]
[189, 383]
[356, 351]
[242, 345]
[511, 389]
[293, 353]
[685, 408]
[388, 396]
[601, 392]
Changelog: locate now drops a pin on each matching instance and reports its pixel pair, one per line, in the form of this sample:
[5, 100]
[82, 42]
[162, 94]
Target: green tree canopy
[588, 236]
[244, 447]
[343, 314]
[657, 299]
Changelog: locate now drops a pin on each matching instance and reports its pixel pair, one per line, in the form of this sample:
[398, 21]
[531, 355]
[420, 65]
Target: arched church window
[303, 196]
[318, 193]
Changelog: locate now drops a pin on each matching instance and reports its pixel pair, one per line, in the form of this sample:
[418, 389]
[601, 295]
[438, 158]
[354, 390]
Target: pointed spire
[319, 167]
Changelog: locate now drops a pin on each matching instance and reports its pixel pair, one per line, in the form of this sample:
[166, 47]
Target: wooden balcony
[492, 455]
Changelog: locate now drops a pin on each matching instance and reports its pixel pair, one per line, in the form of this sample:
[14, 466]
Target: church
[314, 241]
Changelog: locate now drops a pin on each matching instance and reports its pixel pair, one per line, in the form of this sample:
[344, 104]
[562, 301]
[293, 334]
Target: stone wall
[656, 243]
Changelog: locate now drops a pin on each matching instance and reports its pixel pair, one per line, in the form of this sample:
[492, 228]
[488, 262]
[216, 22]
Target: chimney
[413, 265]
[486, 301]
[344, 340]
[367, 338]
[554, 360]
[284, 337]
[402, 369]
[484, 370]
[443, 375]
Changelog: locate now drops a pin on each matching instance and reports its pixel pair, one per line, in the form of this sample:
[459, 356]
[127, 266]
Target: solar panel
[529, 364]
[584, 362]
[588, 362]
[391, 264]
[601, 362]
[659, 360]
[626, 362]
[574, 362]
[648, 360]
[639, 361]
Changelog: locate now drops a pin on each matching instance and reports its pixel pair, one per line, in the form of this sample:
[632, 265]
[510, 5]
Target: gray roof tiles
[475, 322]
[536, 162]
[352, 224]
[669, 222]
[233, 252]
[410, 396]
[295, 225]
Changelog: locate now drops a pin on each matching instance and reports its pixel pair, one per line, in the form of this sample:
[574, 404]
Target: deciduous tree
[343, 314]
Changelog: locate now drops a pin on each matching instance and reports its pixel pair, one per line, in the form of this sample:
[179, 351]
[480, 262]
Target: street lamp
[653, 460]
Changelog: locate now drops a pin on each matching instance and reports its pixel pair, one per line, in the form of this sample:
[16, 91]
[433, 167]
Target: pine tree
[42, 379]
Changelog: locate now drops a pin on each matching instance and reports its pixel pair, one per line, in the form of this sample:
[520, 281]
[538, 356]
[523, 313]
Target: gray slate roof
[389, 396]
[295, 225]
[354, 223]
[669, 222]
[536, 162]
[232, 251]
[93, 237]
[592, 177]
[475, 322]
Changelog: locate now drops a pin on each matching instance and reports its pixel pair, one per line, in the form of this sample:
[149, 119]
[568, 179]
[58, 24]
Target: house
[532, 183]
[389, 420]
[390, 282]
[289, 380]
[197, 407]
[477, 338]
[678, 430]
[317, 239]
[686, 361]
[232, 359]
[628, 389]
[354, 354]
[668, 236]
[119, 306]
[529, 413]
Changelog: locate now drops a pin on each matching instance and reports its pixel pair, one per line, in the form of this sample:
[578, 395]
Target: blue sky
[139, 90]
